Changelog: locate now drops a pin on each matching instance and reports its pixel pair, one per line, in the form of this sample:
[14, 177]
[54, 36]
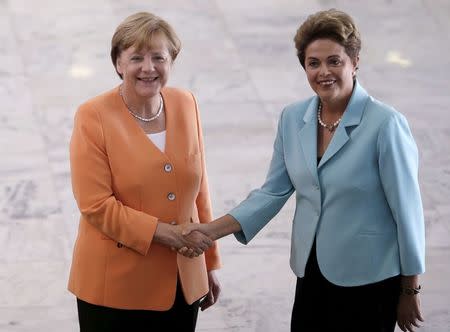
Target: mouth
[147, 79]
[326, 83]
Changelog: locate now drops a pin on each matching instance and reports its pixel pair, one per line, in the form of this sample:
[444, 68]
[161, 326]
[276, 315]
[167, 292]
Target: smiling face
[145, 71]
[330, 70]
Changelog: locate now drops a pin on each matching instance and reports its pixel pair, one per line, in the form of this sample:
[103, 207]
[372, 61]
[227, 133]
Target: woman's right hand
[194, 230]
[197, 242]
[171, 236]
[214, 230]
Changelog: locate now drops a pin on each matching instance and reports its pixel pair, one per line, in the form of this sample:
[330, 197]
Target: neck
[142, 106]
[334, 108]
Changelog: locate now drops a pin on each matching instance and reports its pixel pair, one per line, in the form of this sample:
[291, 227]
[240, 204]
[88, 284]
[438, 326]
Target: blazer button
[171, 196]
[168, 168]
[119, 245]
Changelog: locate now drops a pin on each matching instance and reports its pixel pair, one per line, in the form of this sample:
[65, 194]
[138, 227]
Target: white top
[159, 139]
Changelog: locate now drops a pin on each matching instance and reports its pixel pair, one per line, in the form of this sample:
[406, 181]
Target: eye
[335, 61]
[313, 64]
[136, 58]
[159, 58]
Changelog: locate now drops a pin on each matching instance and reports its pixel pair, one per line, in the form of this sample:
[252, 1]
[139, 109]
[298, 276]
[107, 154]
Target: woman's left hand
[408, 312]
[214, 291]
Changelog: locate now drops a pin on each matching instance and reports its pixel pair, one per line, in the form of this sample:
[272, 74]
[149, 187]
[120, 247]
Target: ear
[119, 65]
[356, 62]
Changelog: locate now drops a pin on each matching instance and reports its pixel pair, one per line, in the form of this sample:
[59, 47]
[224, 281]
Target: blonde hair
[329, 24]
[138, 30]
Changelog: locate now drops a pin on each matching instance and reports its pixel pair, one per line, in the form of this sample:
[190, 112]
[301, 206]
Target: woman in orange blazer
[138, 174]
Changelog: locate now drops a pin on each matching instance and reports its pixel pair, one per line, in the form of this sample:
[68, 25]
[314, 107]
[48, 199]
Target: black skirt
[322, 306]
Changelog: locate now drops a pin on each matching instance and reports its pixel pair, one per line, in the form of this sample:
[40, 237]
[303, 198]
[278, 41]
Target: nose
[324, 70]
[148, 64]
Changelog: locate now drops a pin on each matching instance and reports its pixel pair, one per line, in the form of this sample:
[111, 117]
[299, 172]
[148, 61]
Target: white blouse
[159, 139]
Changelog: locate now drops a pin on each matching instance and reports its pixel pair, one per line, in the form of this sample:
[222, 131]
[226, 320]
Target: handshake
[190, 240]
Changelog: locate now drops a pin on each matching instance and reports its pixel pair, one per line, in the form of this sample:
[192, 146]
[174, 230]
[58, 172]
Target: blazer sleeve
[92, 186]
[398, 167]
[203, 200]
[264, 203]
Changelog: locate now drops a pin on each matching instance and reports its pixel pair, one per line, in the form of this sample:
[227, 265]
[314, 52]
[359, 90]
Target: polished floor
[238, 58]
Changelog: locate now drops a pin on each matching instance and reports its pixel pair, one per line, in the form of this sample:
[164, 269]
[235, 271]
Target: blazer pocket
[369, 233]
[105, 238]
[373, 232]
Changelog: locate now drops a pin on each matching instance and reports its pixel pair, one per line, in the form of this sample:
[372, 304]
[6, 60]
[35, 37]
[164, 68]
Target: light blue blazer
[362, 202]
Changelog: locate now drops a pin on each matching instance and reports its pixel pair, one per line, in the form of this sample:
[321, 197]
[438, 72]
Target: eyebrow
[331, 56]
[140, 52]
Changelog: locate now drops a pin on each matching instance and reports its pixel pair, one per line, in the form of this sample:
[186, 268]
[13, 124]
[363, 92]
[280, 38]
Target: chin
[147, 93]
[326, 96]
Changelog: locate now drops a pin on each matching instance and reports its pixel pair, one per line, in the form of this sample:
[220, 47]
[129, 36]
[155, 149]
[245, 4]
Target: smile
[327, 82]
[147, 79]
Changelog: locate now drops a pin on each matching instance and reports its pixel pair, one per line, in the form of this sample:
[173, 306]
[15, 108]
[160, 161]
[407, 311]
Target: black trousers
[181, 317]
[322, 306]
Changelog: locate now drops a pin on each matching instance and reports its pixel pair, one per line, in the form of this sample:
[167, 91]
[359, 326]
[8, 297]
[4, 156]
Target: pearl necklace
[133, 113]
[330, 127]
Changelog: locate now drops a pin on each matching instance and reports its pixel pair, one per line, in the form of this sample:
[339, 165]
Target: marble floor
[238, 58]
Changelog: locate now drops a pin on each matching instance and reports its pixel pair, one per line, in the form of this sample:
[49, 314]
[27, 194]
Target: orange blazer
[123, 184]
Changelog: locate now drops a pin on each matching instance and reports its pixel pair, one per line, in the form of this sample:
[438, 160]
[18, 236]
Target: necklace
[330, 127]
[133, 113]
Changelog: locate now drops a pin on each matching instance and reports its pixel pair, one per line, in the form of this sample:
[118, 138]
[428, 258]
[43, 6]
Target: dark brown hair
[329, 24]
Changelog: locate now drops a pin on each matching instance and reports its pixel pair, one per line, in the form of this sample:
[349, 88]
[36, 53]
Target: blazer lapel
[180, 125]
[170, 121]
[352, 117]
[337, 142]
[308, 137]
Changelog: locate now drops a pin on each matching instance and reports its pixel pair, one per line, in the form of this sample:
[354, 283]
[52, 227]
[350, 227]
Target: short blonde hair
[329, 24]
[138, 30]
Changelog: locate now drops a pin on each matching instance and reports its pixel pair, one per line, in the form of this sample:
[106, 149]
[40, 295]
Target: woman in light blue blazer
[358, 231]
